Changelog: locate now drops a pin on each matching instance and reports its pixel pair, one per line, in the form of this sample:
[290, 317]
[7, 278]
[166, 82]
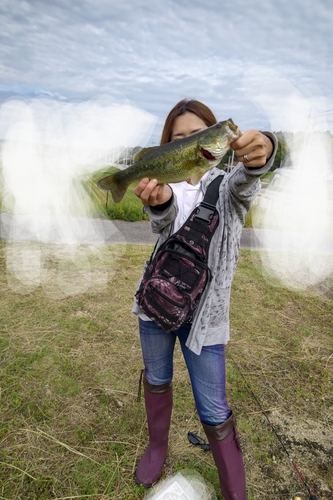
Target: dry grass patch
[70, 423]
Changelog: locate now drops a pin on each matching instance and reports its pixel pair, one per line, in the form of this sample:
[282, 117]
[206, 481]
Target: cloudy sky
[159, 51]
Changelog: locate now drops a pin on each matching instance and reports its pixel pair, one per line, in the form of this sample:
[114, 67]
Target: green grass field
[70, 423]
[130, 207]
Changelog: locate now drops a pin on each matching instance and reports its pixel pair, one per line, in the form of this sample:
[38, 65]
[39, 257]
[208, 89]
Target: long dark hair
[186, 106]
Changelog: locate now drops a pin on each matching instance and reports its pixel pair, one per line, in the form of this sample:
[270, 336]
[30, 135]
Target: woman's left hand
[253, 148]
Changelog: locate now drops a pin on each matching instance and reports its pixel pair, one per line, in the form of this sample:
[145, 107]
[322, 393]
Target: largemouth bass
[180, 160]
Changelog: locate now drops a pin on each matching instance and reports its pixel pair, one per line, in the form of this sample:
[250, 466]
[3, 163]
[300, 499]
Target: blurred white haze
[295, 225]
[49, 147]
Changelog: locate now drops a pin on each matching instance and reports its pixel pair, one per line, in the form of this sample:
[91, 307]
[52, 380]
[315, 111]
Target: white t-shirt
[188, 197]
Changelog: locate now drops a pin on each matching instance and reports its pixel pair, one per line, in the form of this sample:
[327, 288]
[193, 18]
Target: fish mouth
[207, 154]
[213, 155]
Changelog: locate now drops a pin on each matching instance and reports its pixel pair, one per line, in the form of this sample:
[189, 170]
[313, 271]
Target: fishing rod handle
[313, 497]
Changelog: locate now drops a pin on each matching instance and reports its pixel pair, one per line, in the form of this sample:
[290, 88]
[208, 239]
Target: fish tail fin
[111, 184]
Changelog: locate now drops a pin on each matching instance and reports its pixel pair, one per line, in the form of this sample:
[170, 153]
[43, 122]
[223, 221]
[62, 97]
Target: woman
[202, 342]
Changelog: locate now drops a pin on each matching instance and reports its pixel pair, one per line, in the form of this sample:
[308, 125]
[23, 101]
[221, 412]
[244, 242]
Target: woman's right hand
[151, 193]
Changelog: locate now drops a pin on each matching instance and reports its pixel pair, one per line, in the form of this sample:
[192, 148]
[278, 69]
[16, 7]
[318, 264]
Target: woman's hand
[253, 148]
[151, 193]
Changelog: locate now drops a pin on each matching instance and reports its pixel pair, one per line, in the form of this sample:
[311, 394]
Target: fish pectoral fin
[194, 169]
[195, 178]
[140, 154]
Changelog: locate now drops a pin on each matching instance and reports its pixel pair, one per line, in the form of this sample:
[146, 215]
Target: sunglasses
[198, 441]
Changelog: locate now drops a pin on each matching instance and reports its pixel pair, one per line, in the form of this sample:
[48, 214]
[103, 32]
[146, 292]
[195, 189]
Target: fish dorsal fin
[140, 154]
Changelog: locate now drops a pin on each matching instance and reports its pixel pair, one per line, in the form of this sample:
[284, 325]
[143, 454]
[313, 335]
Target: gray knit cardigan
[238, 190]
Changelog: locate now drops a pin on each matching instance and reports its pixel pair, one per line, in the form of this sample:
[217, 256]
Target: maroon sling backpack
[176, 275]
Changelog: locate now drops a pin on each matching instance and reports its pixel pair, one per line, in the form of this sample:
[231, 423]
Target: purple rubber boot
[158, 400]
[224, 443]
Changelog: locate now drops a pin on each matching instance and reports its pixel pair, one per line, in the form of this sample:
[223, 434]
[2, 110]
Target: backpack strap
[207, 207]
[200, 226]
[199, 222]
[212, 191]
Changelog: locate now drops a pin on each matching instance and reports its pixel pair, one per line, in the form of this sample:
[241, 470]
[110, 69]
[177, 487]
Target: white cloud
[156, 53]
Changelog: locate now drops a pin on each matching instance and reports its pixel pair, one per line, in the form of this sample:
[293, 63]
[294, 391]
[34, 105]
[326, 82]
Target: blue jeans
[207, 370]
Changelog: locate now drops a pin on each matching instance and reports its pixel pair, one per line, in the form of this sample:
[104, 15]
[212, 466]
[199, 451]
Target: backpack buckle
[205, 212]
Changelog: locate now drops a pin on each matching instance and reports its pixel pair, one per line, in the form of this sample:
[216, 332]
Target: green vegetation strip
[129, 209]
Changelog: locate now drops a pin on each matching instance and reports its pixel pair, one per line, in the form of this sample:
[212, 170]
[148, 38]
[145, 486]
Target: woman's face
[185, 125]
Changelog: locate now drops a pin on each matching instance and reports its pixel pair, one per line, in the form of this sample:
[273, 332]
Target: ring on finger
[245, 158]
